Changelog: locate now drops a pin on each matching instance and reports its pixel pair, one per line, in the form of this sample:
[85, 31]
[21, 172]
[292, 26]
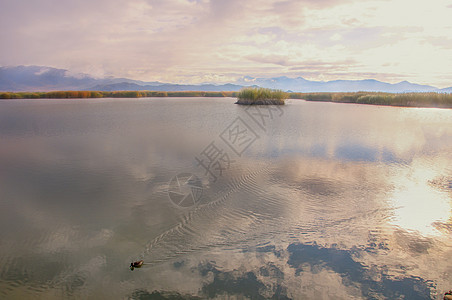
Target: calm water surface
[305, 201]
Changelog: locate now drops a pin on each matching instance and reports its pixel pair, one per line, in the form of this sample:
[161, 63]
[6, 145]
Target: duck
[448, 295]
[136, 264]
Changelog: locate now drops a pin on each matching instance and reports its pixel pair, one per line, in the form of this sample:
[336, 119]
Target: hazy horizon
[196, 41]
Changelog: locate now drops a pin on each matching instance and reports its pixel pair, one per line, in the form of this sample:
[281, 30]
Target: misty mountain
[35, 78]
[300, 84]
[39, 78]
[446, 90]
[168, 87]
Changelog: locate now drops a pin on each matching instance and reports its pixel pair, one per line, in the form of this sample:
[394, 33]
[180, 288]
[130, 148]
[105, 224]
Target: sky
[194, 41]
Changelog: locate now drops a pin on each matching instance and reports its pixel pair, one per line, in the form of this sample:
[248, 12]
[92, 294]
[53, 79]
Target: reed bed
[253, 96]
[441, 100]
[116, 94]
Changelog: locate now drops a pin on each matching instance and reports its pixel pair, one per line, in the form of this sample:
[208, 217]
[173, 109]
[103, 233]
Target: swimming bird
[448, 295]
[136, 264]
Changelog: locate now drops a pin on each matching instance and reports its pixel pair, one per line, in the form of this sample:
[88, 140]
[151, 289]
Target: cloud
[443, 42]
[270, 59]
[183, 40]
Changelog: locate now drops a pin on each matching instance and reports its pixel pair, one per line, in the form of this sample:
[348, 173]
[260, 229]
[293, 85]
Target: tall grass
[442, 100]
[258, 95]
[56, 95]
[116, 94]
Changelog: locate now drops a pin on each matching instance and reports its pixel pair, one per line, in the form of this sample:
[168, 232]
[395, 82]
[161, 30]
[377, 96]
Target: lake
[304, 201]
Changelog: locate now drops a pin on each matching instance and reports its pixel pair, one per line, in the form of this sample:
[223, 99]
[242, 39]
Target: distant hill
[446, 90]
[300, 84]
[126, 86]
[35, 78]
[39, 78]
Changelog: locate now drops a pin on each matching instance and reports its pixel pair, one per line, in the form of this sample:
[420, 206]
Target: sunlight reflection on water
[331, 200]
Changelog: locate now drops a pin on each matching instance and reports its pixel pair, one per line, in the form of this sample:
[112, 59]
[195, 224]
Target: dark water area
[303, 201]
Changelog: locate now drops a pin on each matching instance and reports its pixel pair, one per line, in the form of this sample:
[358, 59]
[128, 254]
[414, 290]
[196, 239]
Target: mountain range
[40, 78]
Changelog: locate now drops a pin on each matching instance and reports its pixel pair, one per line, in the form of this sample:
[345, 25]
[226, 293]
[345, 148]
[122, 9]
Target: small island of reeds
[261, 96]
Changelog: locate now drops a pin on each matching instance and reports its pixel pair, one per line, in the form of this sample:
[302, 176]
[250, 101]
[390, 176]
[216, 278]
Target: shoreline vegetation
[252, 96]
[431, 99]
[261, 96]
